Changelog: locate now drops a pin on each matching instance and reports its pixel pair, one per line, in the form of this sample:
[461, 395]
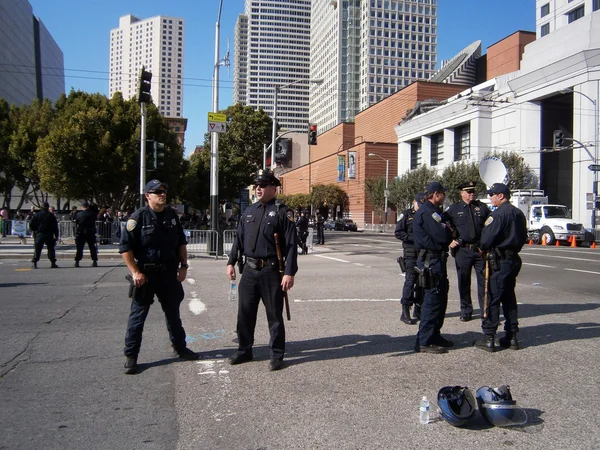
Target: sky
[81, 28]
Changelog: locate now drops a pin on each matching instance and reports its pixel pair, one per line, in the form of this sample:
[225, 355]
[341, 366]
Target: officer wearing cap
[85, 223]
[502, 239]
[255, 240]
[411, 293]
[432, 235]
[467, 217]
[153, 246]
[45, 229]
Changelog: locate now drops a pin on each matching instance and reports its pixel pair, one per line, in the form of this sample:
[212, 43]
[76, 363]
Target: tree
[520, 175]
[296, 201]
[375, 193]
[404, 189]
[458, 173]
[328, 196]
[7, 163]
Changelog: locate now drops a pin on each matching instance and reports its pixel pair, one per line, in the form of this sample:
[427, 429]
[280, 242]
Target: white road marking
[560, 257]
[330, 257]
[538, 265]
[196, 306]
[584, 271]
[298, 300]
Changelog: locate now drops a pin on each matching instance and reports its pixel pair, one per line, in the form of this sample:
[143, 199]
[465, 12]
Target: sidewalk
[11, 248]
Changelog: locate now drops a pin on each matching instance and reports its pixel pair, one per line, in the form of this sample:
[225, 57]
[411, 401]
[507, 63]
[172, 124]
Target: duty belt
[258, 264]
[507, 253]
[471, 246]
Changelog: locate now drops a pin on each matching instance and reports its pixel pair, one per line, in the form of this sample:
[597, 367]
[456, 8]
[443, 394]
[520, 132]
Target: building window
[596, 5]
[415, 154]
[545, 30]
[437, 149]
[577, 13]
[462, 143]
[545, 10]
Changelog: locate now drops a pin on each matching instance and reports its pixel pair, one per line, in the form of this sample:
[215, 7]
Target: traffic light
[144, 86]
[159, 155]
[558, 138]
[312, 134]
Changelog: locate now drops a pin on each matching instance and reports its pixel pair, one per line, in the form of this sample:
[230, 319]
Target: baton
[485, 290]
[281, 270]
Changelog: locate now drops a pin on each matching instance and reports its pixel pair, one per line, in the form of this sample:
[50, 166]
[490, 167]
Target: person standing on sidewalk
[85, 223]
[320, 222]
[45, 231]
[154, 249]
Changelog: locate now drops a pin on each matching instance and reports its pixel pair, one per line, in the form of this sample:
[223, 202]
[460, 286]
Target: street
[351, 381]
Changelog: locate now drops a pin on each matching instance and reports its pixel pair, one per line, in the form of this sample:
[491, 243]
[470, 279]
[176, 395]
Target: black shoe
[405, 316]
[130, 365]
[95, 264]
[466, 317]
[54, 266]
[437, 349]
[76, 263]
[240, 358]
[509, 341]
[34, 265]
[487, 343]
[417, 312]
[276, 364]
[188, 354]
[443, 342]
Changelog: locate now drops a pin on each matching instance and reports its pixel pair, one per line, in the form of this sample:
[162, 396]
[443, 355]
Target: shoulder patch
[290, 215]
[131, 224]
[488, 221]
[437, 217]
[401, 216]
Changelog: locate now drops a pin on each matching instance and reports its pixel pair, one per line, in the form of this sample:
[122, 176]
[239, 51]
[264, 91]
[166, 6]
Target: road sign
[594, 167]
[217, 117]
[217, 127]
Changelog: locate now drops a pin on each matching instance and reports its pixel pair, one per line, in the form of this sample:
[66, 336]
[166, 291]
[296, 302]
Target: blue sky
[82, 30]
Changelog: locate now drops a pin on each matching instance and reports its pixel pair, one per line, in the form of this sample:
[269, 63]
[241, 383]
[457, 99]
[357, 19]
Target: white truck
[552, 222]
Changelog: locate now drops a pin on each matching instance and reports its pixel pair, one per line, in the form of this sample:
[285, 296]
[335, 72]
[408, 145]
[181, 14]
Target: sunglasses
[263, 185]
[159, 192]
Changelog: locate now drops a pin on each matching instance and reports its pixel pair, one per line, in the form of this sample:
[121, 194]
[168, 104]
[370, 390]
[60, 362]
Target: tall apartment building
[32, 63]
[367, 50]
[554, 14]
[272, 47]
[157, 44]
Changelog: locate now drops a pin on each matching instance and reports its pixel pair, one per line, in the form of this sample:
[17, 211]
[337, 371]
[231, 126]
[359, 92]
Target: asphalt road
[352, 380]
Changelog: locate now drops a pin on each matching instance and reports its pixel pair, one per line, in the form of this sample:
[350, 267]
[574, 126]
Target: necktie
[471, 219]
[254, 232]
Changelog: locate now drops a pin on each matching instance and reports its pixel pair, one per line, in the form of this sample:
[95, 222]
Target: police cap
[46, 205]
[498, 188]
[85, 204]
[153, 185]
[420, 197]
[467, 186]
[434, 186]
[266, 176]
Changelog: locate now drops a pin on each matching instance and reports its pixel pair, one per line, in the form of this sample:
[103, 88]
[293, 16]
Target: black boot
[509, 341]
[76, 263]
[405, 317]
[417, 312]
[487, 343]
[54, 266]
[34, 264]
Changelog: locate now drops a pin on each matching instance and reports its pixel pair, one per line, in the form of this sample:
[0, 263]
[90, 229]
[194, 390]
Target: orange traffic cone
[593, 245]
[573, 241]
[530, 241]
[544, 239]
[557, 244]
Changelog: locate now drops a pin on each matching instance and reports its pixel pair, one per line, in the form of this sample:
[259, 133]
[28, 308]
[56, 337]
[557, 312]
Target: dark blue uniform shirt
[86, 219]
[404, 228]
[506, 229]
[458, 213]
[44, 222]
[430, 230]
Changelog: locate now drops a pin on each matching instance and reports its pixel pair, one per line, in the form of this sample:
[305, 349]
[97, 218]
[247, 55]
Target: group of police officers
[488, 241]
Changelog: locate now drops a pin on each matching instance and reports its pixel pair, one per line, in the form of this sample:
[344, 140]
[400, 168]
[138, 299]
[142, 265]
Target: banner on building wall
[351, 165]
[341, 168]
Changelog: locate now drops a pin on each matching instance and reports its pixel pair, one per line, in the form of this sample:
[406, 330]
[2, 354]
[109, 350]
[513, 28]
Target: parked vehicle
[345, 225]
[329, 225]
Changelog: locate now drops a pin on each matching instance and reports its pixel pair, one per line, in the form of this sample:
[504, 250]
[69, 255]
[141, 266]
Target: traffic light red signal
[312, 134]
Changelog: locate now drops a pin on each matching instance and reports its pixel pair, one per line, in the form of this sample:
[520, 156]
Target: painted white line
[560, 257]
[297, 300]
[191, 281]
[330, 257]
[584, 271]
[359, 264]
[538, 265]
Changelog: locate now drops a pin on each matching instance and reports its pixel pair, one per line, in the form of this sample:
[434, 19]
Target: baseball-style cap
[153, 185]
[420, 197]
[46, 205]
[498, 188]
[85, 204]
[434, 186]
[266, 176]
[467, 186]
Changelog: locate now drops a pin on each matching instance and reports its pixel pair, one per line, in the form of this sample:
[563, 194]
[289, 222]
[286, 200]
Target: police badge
[488, 221]
[437, 217]
[131, 224]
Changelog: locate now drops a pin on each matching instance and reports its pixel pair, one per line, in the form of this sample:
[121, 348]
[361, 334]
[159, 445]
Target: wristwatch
[185, 266]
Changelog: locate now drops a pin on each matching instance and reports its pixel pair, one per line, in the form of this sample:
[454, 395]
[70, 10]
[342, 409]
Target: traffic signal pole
[142, 153]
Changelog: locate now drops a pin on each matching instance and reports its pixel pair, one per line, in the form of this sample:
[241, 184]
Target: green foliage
[296, 201]
[326, 196]
[458, 173]
[375, 193]
[404, 189]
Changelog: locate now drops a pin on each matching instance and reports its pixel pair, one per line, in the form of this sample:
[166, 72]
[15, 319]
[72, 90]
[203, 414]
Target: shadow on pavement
[8, 285]
[549, 333]
[534, 310]
[141, 367]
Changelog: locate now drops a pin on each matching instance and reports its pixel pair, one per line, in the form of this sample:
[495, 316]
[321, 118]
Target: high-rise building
[157, 44]
[367, 50]
[272, 47]
[32, 63]
[552, 15]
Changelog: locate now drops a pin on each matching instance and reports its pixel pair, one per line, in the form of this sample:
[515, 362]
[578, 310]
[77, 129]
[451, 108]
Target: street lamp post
[274, 133]
[387, 191]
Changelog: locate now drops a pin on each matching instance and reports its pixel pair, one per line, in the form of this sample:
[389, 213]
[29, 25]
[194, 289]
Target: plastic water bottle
[424, 411]
[232, 290]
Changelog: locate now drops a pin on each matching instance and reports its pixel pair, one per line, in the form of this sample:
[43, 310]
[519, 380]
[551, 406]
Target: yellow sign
[216, 117]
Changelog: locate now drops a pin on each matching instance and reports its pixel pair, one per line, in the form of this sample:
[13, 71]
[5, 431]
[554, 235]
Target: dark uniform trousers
[435, 300]
[411, 293]
[502, 292]
[320, 234]
[83, 236]
[170, 295]
[40, 240]
[466, 259]
[254, 285]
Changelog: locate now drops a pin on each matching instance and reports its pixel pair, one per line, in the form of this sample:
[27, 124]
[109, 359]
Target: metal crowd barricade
[202, 242]
[66, 231]
[228, 238]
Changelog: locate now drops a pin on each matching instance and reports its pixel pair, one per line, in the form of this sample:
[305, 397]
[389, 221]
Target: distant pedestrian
[302, 226]
[85, 223]
[45, 231]
[320, 229]
[5, 224]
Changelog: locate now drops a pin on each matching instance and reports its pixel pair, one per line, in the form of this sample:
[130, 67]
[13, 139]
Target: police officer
[153, 246]
[320, 229]
[411, 293]
[302, 226]
[45, 229]
[256, 241]
[85, 223]
[432, 234]
[467, 217]
[503, 237]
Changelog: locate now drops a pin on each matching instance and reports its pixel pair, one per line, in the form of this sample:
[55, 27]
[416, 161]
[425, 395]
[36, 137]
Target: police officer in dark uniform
[153, 246]
[85, 223]
[432, 234]
[502, 239]
[302, 226]
[467, 217]
[320, 229]
[411, 293]
[45, 230]
[256, 241]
